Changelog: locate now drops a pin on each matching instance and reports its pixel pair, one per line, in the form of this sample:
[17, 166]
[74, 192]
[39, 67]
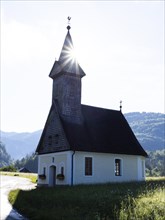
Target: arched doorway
[52, 175]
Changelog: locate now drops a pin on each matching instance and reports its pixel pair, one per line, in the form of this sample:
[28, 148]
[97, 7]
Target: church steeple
[66, 74]
[67, 61]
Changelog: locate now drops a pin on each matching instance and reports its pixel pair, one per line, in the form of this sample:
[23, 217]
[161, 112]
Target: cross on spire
[121, 106]
[68, 27]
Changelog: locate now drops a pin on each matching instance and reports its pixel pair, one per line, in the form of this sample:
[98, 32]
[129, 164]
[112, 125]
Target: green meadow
[113, 201]
[31, 176]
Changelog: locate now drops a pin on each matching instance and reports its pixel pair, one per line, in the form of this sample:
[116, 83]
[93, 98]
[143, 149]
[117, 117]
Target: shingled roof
[102, 131]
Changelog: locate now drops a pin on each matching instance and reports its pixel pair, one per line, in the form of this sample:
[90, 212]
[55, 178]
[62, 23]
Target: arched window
[44, 170]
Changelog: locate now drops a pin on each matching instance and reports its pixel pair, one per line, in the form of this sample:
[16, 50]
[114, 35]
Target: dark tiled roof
[102, 130]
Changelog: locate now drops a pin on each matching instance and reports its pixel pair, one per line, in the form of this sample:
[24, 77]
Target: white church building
[83, 144]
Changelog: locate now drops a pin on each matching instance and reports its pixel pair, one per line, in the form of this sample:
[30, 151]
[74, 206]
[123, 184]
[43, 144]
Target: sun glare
[72, 54]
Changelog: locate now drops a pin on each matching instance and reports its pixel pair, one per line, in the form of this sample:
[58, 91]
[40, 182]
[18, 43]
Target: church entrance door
[52, 176]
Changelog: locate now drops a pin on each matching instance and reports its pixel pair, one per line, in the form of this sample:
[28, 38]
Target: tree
[29, 161]
[5, 158]
[155, 163]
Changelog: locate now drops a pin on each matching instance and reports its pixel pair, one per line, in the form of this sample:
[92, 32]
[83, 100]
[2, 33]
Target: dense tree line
[5, 159]
[155, 163]
[30, 162]
[7, 164]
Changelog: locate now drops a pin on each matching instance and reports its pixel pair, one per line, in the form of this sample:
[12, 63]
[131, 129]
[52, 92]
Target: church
[82, 144]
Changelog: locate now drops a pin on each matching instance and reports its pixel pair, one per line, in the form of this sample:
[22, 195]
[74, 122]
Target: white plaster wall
[133, 167]
[60, 159]
[104, 168]
[141, 168]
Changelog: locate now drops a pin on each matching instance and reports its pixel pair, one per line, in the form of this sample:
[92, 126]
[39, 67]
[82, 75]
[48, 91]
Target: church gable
[53, 137]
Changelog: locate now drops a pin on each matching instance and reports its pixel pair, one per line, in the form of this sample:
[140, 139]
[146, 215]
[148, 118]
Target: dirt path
[8, 183]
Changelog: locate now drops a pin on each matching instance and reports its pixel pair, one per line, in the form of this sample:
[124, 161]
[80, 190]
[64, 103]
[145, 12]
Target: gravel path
[8, 183]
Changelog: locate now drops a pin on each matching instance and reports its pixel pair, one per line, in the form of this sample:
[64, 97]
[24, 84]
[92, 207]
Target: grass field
[124, 201]
[31, 176]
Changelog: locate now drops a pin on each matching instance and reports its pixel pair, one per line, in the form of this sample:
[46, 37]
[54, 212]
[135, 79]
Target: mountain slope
[18, 145]
[149, 129]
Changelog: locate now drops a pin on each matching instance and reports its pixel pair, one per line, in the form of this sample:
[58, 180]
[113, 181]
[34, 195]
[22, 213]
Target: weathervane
[121, 106]
[68, 27]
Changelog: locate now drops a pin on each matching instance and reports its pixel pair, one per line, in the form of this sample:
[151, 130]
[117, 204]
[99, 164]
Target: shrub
[10, 168]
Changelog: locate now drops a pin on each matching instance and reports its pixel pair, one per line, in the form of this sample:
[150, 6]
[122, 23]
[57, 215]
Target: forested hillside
[149, 129]
[5, 158]
[155, 163]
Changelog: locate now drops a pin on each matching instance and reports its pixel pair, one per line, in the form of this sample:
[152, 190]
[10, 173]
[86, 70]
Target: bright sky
[119, 45]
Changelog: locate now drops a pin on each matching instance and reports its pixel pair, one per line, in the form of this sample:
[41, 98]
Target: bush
[10, 168]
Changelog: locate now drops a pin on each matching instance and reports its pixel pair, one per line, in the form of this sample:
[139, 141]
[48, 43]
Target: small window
[88, 166]
[50, 140]
[44, 170]
[117, 167]
[56, 137]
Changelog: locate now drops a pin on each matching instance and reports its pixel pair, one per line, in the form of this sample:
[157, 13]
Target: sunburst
[70, 53]
[68, 57]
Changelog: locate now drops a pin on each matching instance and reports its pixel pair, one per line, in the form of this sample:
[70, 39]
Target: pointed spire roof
[67, 63]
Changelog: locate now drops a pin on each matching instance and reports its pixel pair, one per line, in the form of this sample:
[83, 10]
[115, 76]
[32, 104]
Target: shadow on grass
[15, 215]
[86, 202]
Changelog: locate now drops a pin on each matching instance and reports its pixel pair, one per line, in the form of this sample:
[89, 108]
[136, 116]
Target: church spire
[67, 62]
[66, 74]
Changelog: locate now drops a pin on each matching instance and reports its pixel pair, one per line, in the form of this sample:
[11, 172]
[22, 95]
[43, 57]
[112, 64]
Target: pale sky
[119, 45]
